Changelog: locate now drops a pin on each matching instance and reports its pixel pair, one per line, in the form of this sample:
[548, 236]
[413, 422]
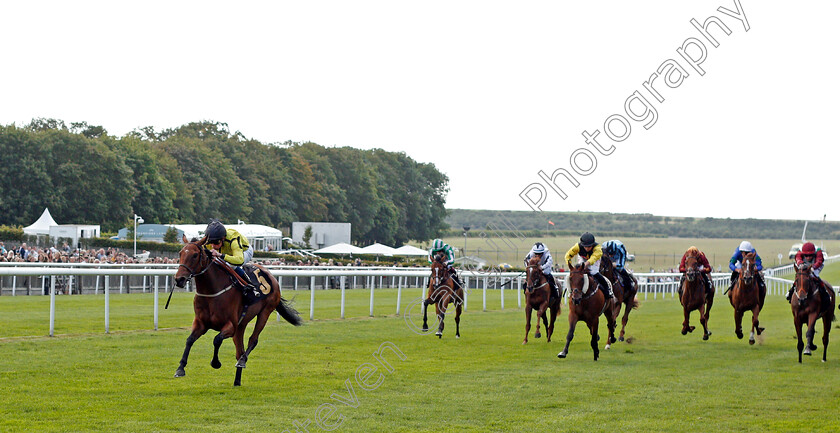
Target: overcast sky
[492, 93]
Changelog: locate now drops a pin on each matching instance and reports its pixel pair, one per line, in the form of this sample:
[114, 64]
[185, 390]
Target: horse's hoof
[612, 340]
[739, 334]
[524, 341]
[813, 347]
[216, 364]
[425, 328]
[607, 347]
[439, 334]
[561, 355]
[752, 341]
[621, 338]
[180, 372]
[691, 329]
[684, 331]
[705, 337]
[806, 352]
[457, 335]
[240, 364]
[760, 330]
[537, 335]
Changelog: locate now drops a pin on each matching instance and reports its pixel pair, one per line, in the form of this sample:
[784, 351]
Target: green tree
[171, 235]
[307, 235]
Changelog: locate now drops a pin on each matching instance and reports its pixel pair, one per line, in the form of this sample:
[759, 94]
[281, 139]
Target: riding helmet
[587, 239]
[809, 249]
[215, 231]
[437, 245]
[539, 248]
[745, 246]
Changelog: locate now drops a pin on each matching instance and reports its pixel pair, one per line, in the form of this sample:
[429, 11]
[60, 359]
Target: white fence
[158, 276]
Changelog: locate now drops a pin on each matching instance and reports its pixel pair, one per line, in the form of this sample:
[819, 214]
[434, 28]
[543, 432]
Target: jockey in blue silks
[615, 251]
[735, 266]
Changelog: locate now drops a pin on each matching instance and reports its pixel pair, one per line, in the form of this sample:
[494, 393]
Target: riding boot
[552, 283]
[628, 280]
[710, 289]
[605, 286]
[454, 275]
[680, 289]
[790, 292]
[732, 280]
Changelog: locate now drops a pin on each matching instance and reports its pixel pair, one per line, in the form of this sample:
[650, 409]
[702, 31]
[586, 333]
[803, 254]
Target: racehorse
[806, 308]
[538, 296]
[442, 292]
[218, 305]
[747, 296]
[588, 303]
[625, 295]
[693, 296]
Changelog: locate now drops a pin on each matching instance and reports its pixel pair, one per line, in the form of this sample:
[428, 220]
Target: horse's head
[578, 282]
[534, 272]
[193, 260]
[748, 267]
[438, 269]
[802, 283]
[692, 263]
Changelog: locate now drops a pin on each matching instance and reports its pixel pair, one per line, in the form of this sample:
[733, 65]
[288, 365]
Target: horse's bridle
[440, 280]
[530, 287]
[195, 274]
[583, 296]
[691, 273]
[804, 300]
[746, 271]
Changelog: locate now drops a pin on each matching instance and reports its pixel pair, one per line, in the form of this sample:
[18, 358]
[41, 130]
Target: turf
[85, 380]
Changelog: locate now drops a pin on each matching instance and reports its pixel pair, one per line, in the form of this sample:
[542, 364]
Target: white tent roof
[340, 248]
[250, 231]
[379, 250]
[42, 226]
[408, 250]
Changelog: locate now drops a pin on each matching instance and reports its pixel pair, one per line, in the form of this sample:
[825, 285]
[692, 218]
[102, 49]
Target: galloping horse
[218, 305]
[624, 295]
[442, 292]
[588, 303]
[693, 296]
[538, 296]
[806, 308]
[746, 296]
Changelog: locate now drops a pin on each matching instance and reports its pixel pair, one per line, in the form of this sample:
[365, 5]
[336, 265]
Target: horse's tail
[635, 303]
[285, 310]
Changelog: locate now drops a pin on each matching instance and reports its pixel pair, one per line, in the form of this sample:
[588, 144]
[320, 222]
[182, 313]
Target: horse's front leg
[458, 310]
[611, 315]
[570, 335]
[440, 309]
[739, 316]
[541, 316]
[262, 319]
[686, 314]
[528, 311]
[799, 344]
[593, 329]
[554, 311]
[755, 328]
[227, 331]
[826, 330]
[812, 321]
[198, 329]
[702, 312]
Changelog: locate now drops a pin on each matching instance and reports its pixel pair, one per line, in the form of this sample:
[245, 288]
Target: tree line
[565, 223]
[201, 170]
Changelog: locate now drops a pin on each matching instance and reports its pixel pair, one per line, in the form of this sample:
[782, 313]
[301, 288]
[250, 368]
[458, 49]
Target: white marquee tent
[42, 226]
[378, 249]
[340, 248]
[408, 250]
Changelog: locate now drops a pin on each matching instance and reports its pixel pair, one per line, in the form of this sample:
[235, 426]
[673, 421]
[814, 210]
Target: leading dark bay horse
[807, 306]
[443, 291]
[625, 295]
[538, 296]
[218, 305]
[693, 295]
[747, 296]
[587, 304]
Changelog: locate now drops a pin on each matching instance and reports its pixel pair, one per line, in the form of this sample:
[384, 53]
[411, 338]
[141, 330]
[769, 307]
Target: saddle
[256, 279]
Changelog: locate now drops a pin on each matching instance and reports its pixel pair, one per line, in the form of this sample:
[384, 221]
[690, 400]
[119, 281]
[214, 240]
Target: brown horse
[218, 305]
[693, 295]
[442, 292]
[588, 303]
[806, 306]
[625, 295]
[747, 296]
[538, 296]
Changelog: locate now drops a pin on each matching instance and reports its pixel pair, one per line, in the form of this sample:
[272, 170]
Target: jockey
[541, 251]
[614, 250]
[705, 269]
[590, 251]
[448, 259]
[234, 249]
[735, 265]
[809, 255]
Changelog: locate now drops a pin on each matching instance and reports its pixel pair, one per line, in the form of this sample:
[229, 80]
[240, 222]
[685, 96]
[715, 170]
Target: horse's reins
[532, 288]
[194, 274]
